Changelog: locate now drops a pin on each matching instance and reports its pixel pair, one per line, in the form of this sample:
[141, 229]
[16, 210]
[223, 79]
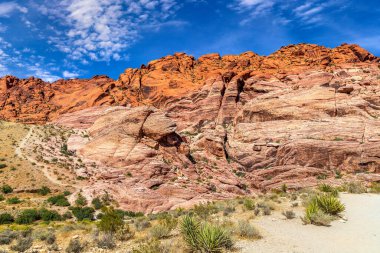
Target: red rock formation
[224, 125]
[164, 80]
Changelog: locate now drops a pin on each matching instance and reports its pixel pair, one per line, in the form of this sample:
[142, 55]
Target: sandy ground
[361, 232]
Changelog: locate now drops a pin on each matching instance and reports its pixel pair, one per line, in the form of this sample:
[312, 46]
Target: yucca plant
[311, 209]
[328, 189]
[189, 230]
[330, 204]
[213, 239]
[204, 237]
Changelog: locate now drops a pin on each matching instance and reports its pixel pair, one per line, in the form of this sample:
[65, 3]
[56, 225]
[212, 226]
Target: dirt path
[360, 234]
[39, 165]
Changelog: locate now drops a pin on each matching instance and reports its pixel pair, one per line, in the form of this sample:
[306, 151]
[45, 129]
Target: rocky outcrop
[182, 130]
[162, 82]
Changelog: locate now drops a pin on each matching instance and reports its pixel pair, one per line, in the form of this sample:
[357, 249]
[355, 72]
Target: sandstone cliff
[182, 130]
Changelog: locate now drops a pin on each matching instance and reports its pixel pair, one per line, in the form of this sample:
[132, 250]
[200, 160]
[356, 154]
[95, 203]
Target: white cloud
[101, 30]
[310, 12]
[67, 74]
[7, 8]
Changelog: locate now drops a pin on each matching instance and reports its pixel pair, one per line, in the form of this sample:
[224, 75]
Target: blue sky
[53, 39]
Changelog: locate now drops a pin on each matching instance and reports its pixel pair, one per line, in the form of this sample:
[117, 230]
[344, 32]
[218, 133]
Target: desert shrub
[205, 210]
[133, 214]
[141, 224]
[67, 215]
[13, 201]
[329, 204]
[150, 246]
[59, 200]
[249, 204]
[355, 187]
[266, 210]
[6, 218]
[106, 241]
[228, 210]
[256, 211]
[328, 189]
[49, 215]
[375, 187]
[2, 198]
[28, 216]
[82, 213]
[289, 214]
[51, 238]
[111, 221]
[81, 200]
[284, 188]
[125, 233]
[159, 231]
[204, 237]
[75, 246]
[23, 244]
[3, 165]
[44, 191]
[6, 189]
[246, 230]
[97, 203]
[7, 236]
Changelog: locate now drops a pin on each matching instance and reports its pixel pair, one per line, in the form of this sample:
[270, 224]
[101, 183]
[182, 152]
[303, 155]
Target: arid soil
[360, 233]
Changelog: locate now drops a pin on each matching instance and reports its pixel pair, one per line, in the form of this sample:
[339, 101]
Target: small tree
[111, 221]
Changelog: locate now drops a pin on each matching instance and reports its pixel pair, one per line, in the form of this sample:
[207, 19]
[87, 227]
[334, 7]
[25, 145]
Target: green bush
[2, 198]
[97, 203]
[58, 200]
[111, 222]
[28, 216]
[205, 210]
[6, 189]
[246, 230]
[249, 204]
[49, 215]
[81, 200]
[2, 165]
[204, 237]
[82, 213]
[44, 191]
[6, 218]
[13, 201]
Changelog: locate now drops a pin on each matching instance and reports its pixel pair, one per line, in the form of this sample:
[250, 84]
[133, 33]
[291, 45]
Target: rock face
[180, 130]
